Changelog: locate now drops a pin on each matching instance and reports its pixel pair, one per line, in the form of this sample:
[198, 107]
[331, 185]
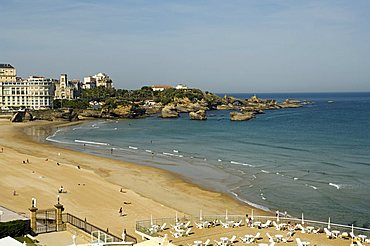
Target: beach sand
[93, 191]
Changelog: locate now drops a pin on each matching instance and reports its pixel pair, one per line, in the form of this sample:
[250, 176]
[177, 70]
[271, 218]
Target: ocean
[313, 160]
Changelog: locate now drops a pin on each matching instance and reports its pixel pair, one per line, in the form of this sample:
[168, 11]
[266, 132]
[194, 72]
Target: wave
[170, 154]
[57, 141]
[240, 163]
[338, 186]
[264, 171]
[132, 147]
[90, 142]
[258, 206]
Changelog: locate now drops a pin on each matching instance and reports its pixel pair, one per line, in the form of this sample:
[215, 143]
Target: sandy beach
[93, 191]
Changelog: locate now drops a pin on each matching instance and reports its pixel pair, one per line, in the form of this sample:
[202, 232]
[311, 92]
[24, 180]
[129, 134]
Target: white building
[36, 92]
[160, 87]
[181, 87]
[97, 80]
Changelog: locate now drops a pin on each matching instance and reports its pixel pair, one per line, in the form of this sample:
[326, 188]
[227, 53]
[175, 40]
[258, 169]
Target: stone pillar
[33, 218]
[59, 210]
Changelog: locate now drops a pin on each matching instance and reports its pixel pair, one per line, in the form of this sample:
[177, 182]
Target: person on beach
[27, 161]
[120, 211]
[2, 150]
[111, 151]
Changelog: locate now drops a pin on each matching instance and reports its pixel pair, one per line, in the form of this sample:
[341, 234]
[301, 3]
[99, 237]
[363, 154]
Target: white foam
[90, 142]
[175, 151]
[335, 185]
[219, 160]
[56, 141]
[148, 150]
[132, 147]
[313, 187]
[250, 203]
[240, 163]
[264, 171]
[295, 178]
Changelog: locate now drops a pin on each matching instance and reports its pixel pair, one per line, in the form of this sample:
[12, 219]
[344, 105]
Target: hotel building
[35, 92]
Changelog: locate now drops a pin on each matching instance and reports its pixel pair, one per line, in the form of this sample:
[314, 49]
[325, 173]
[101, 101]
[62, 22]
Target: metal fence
[46, 221]
[91, 229]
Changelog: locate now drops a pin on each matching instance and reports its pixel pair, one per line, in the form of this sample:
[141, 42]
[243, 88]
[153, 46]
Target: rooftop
[6, 66]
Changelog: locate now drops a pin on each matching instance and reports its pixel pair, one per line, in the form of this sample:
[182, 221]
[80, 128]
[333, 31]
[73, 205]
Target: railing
[144, 225]
[90, 228]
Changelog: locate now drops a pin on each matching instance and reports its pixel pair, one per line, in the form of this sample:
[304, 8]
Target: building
[36, 93]
[97, 80]
[160, 87]
[89, 82]
[181, 87]
[65, 89]
[7, 73]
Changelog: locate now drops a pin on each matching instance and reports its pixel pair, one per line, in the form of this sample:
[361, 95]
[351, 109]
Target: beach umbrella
[302, 219]
[277, 217]
[329, 223]
[200, 215]
[151, 219]
[226, 217]
[177, 218]
[252, 215]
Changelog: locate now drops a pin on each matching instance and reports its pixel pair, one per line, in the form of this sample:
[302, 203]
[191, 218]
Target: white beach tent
[8, 241]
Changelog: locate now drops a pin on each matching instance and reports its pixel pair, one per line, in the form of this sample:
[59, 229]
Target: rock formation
[198, 115]
[236, 116]
[169, 112]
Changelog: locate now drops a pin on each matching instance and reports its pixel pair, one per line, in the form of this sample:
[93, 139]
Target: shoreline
[155, 191]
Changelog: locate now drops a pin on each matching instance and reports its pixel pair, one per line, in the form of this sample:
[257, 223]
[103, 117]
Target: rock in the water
[169, 112]
[236, 116]
[198, 115]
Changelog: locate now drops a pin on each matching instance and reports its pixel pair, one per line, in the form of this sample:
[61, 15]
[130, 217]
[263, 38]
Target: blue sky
[220, 46]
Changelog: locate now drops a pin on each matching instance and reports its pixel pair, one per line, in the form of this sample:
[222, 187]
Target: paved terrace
[9, 215]
[218, 231]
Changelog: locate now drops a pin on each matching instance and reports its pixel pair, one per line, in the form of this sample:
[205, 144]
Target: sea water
[313, 160]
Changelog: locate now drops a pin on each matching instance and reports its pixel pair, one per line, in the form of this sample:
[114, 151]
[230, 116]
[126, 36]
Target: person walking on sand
[120, 211]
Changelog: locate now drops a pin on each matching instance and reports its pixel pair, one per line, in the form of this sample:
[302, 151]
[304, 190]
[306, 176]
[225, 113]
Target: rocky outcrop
[121, 111]
[90, 113]
[236, 116]
[198, 115]
[185, 105]
[22, 116]
[169, 112]
[289, 103]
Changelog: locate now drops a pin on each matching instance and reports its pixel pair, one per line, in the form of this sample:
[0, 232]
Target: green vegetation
[111, 98]
[14, 228]
[25, 239]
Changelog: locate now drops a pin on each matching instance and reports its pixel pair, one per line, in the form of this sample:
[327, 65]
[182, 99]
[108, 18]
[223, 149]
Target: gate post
[33, 210]
[59, 210]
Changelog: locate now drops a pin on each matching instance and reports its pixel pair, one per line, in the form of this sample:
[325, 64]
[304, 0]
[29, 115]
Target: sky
[215, 45]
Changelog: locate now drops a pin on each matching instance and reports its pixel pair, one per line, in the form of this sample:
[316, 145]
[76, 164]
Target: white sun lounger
[301, 243]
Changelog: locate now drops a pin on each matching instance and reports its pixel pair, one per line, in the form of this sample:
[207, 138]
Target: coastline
[95, 194]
